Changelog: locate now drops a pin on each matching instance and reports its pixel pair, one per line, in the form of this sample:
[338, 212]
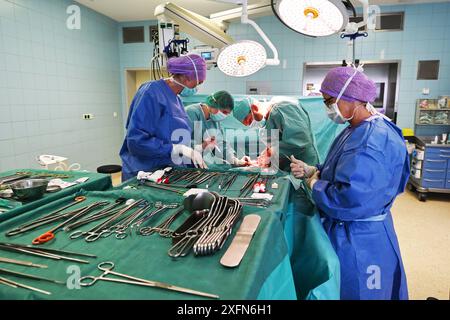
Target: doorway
[134, 78]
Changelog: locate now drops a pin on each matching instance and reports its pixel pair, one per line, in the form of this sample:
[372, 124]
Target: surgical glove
[301, 170]
[209, 144]
[313, 179]
[195, 156]
[265, 158]
[245, 161]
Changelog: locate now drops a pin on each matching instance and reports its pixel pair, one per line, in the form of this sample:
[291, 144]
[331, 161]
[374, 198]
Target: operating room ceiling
[138, 10]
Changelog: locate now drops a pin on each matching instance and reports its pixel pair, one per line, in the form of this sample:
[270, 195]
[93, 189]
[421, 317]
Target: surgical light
[246, 57]
[316, 18]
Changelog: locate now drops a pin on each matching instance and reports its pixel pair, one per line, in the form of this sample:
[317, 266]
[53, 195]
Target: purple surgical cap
[185, 66]
[361, 88]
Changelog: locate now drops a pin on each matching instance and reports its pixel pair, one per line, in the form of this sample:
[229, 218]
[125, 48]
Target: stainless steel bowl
[30, 189]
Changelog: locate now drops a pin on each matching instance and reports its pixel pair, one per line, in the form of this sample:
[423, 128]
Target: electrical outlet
[88, 116]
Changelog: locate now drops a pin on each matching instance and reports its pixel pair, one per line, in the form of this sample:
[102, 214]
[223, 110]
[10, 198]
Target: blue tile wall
[426, 36]
[49, 77]
[133, 55]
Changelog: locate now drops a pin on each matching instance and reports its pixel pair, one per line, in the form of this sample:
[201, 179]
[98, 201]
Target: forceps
[107, 268]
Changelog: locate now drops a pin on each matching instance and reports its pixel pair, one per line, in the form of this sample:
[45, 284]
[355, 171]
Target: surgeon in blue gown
[158, 130]
[354, 189]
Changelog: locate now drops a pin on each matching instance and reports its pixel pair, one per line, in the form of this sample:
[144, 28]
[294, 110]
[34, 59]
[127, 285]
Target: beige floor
[423, 230]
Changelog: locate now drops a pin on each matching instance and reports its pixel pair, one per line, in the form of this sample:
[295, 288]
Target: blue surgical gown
[366, 168]
[155, 113]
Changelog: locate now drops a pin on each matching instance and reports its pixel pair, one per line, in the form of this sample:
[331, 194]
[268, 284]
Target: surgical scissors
[104, 229]
[49, 235]
[160, 208]
[47, 219]
[107, 268]
[163, 228]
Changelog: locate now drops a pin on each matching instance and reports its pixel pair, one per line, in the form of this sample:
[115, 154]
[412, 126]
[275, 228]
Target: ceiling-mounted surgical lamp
[316, 18]
[353, 27]
[246, 57]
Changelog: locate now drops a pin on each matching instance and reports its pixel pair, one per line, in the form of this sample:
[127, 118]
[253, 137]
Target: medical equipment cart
[430, 167]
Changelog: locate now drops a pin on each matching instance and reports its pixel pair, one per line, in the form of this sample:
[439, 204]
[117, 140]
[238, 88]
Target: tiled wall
[426, 36]
[49, 77]
[133, 55]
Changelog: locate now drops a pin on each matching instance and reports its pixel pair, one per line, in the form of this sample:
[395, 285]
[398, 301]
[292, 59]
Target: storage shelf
[434, 113]
[433, 124]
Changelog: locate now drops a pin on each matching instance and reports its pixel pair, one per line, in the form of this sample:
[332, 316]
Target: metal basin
[30, 189]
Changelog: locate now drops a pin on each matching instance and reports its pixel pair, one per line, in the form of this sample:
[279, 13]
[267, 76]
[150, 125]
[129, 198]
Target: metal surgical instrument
[215, 235]
[162, 187]
[248, 187]
[28, 276]
[49, 218]
[49, 235]
[22, 263]
[189, 236]
[163, 227]
[40, 253]
[99, 215]
[100, 230]
[121, 229]
[210, 232]
[15, 284]
[255, 202]
[108, 266]
[161, 207]
[26, 246]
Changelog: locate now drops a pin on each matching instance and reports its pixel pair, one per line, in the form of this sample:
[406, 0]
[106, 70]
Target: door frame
[369, 62]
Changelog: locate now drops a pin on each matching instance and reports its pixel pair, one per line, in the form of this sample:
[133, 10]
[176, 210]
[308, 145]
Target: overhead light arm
[201, 28]
[245, 20]
[353, 27]
[365, 4]
[258, 9]
[352, 31]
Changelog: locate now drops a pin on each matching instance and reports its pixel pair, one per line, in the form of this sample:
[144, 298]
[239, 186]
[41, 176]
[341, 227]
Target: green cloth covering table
[295, 251]
[314, 264]
[96, 182]
[264, 272]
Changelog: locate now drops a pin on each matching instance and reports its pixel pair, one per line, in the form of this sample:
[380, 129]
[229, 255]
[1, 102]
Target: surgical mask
[186, 92]
[257, 124]
[336, 116]
[217, 117]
